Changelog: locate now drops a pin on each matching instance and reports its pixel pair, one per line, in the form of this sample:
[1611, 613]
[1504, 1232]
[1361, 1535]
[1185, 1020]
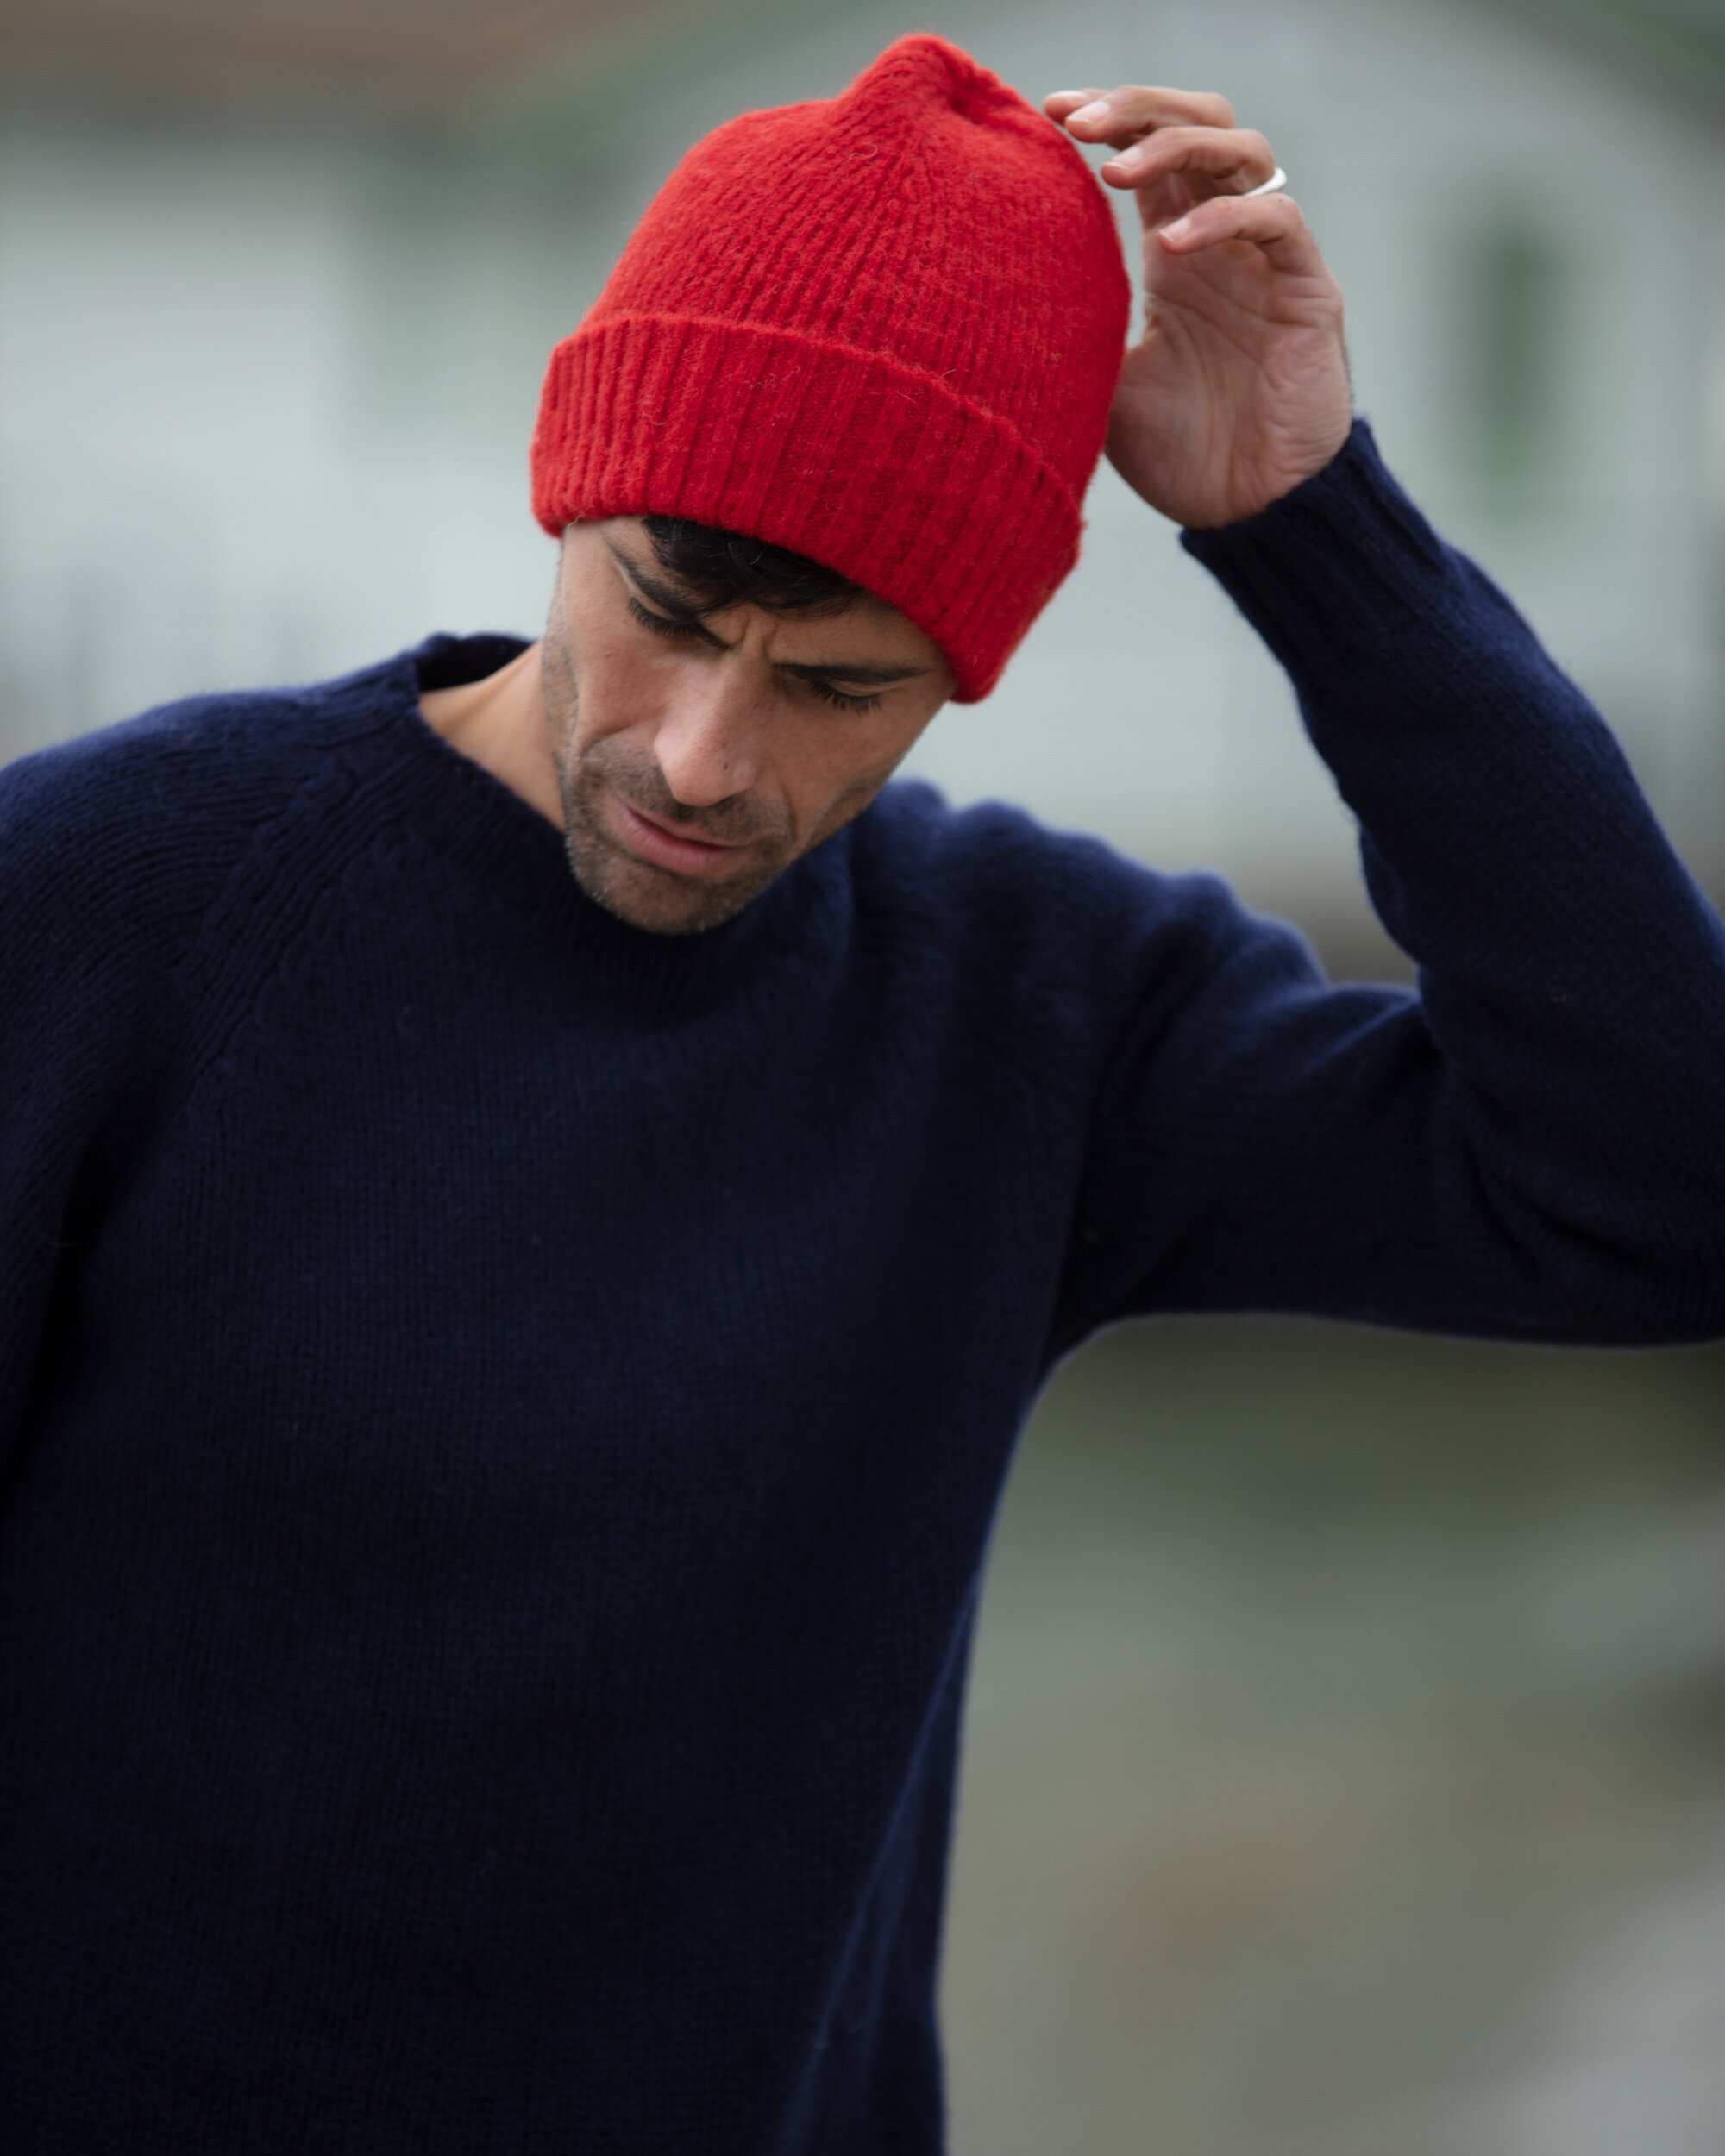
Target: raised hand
[1238, 388]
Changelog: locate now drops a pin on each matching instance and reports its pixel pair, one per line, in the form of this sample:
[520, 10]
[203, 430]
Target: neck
[499, 722]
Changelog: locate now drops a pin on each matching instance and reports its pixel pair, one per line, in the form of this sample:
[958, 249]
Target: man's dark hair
[720, 568]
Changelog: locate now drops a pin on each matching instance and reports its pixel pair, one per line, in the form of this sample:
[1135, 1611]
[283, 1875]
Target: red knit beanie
[882, 329]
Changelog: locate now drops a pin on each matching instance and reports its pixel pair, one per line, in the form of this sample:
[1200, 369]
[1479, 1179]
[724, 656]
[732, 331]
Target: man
[539, 1189]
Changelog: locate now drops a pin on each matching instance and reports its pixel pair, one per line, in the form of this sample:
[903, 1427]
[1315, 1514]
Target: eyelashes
[826, 690]
[661, 625]
[830, 695]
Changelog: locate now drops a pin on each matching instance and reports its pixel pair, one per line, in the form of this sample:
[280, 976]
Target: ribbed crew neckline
[475, 819]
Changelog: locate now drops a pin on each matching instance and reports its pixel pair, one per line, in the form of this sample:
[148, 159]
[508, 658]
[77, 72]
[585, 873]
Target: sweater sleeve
[1533, 1145]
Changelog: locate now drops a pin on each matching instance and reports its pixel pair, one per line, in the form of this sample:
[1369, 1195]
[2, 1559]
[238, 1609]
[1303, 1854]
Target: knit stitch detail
[884, 473]
[882, 329]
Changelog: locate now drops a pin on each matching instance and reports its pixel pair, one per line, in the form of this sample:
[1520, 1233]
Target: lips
[665, 848]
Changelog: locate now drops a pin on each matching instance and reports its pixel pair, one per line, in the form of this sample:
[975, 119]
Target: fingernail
[1178, 229]
[1092, 116]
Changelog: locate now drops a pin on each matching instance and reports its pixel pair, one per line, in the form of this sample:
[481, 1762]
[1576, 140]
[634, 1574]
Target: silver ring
[1273, 185]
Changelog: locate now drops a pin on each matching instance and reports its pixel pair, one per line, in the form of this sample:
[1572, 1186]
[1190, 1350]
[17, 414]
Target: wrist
[1301, 471]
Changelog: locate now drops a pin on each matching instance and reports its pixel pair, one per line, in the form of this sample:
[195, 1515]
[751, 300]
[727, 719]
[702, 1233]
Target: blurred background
[1345, 1765]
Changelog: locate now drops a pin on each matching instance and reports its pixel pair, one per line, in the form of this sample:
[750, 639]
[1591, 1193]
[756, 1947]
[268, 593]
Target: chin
[655, 900]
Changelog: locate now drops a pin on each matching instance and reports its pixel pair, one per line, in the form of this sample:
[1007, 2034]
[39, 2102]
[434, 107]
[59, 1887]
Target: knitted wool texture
[882, 329]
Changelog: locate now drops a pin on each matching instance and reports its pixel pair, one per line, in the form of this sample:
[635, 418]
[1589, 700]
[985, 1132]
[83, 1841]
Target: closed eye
[837, 696]
[662, 625]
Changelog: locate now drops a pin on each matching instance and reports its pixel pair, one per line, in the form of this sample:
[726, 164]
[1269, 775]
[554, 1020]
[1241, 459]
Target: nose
[710, 741]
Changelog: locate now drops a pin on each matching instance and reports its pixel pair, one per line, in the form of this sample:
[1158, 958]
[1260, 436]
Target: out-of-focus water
[1345, 1763]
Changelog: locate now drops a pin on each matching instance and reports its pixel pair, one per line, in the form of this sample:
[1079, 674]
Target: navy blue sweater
[501, 1412]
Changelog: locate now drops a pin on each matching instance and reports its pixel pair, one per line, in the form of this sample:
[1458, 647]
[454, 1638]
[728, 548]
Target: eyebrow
[805, 669]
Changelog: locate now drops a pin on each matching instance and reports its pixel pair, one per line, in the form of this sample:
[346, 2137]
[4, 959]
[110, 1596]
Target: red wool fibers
[882, 329]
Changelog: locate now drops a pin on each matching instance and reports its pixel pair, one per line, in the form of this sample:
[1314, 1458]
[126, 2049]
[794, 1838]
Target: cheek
[618, 689]
[848, 779]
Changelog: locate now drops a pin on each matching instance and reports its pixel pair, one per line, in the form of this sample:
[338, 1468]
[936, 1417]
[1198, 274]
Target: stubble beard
[638, 891]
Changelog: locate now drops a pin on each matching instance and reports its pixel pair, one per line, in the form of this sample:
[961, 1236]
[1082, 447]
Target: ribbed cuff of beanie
[876, 469]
